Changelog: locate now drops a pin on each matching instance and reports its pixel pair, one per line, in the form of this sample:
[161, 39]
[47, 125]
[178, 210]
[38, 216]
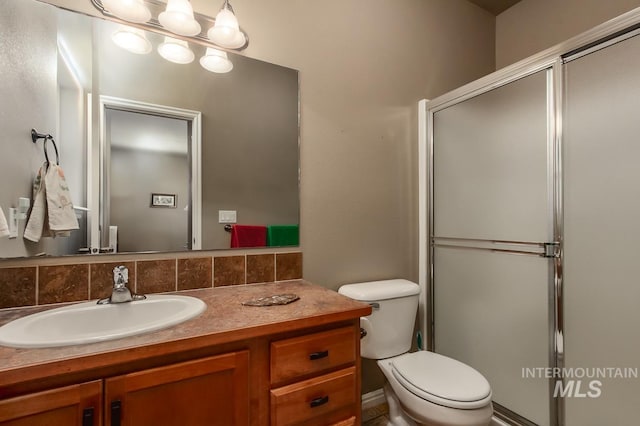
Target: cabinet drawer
[319, 399]
[351, 421]
[312, 353]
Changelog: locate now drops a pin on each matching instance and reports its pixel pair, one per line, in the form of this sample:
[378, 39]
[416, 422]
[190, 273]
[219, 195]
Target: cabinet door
[208, 391]
[71, 405]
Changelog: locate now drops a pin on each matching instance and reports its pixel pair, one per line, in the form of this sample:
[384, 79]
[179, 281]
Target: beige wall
[534, 25]
[363, 66]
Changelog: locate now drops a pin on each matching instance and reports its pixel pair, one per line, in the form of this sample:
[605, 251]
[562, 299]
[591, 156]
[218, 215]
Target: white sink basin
[89, 322]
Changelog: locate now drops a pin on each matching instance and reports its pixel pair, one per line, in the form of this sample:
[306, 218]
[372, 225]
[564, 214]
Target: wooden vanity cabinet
[309, 377]
[73, 405]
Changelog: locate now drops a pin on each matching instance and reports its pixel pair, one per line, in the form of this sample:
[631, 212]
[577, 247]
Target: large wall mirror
[154, 152]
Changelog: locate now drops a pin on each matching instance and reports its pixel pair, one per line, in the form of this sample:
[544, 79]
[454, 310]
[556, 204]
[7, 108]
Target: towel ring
[35, 136]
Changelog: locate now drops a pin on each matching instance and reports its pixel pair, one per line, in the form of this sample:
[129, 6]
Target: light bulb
[216, 60]
[176, 51]
[178, 18]
[128, 10]
[226, 32]
[132, 39]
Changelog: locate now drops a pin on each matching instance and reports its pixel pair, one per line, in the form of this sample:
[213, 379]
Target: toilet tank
[390, 326]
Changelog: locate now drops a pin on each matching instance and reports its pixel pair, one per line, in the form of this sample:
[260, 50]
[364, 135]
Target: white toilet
[423, 387]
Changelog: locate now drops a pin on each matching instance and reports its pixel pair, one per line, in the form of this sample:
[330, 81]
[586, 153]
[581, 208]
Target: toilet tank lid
[380, 290]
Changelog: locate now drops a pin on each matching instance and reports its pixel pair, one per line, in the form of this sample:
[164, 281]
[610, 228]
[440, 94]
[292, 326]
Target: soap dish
[276, 299]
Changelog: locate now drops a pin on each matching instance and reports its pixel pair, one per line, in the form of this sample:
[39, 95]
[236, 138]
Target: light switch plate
[227, 216]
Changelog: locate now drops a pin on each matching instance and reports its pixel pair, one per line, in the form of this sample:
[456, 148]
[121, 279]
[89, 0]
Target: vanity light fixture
[132, 39]
[176, 51]
[216, 60]
[226, 31]
[128, 10]
[178, 18]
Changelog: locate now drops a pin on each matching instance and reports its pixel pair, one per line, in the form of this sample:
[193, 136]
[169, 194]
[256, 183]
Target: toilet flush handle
[365, 326]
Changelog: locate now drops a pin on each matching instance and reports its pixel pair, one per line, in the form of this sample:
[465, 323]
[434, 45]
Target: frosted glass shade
[176, 51]
[216, 60]
[132, 39]
[226, 32]
[178, 18]
[128, 10]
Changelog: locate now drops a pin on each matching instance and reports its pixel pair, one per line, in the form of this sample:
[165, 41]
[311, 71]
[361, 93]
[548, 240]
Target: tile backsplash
[45, 284]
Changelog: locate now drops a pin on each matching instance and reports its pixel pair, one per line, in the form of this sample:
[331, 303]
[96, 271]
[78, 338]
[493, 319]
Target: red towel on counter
[248, 236]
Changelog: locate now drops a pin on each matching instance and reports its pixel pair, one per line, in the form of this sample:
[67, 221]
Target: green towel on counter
[282, 235]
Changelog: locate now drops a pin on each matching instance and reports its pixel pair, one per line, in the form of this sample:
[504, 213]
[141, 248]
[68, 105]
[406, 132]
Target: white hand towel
[4, 228]
[62, 217]
[35, 225]
[52, 214]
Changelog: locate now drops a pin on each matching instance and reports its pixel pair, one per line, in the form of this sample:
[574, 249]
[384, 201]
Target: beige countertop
[225, 320]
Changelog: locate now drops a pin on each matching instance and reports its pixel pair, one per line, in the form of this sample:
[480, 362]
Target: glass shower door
[492, 224]
[602, 209]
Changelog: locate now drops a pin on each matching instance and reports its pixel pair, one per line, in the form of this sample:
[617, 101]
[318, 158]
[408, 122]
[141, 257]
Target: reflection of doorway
[148, 155]
[149, 149]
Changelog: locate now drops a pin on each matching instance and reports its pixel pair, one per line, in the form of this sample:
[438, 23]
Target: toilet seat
[441, 380]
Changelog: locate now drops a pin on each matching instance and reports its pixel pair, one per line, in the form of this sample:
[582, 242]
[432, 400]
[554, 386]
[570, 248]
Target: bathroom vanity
[232, 365]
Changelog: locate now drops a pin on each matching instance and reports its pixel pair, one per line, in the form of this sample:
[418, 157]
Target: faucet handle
[120, 276]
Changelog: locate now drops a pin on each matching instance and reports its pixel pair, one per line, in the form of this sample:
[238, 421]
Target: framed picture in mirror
[163, 200]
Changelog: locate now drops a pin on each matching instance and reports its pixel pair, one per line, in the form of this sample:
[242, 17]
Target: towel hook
[35, 136]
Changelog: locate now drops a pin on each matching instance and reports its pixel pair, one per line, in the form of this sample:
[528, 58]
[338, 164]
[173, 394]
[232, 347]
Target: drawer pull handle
[318, 355]
[319, 401]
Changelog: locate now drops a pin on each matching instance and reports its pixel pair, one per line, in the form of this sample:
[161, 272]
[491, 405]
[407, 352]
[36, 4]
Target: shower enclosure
[530, 213]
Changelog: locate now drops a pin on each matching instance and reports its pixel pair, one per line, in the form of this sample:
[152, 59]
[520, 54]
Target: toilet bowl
[423, 388]
[436, 390]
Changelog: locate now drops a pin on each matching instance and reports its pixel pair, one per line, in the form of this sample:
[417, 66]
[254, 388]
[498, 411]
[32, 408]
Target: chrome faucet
[120, 293]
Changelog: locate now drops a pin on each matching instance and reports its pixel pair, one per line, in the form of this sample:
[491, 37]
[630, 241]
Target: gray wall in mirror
[55, 58]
